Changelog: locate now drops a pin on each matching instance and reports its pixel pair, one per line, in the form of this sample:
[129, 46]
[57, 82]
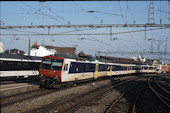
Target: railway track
[72, 103]
[132, 92]
[163, 82]
[8, 100]
[137, 98]
[127, 93]
[161, 93]
[19, 97]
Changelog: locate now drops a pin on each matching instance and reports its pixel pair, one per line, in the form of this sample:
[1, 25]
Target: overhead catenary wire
[54, 13]
[40, 12]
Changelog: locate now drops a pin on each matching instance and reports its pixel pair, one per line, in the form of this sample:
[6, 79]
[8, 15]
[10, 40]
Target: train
[57, 70]
[18, 65]
[163, 69]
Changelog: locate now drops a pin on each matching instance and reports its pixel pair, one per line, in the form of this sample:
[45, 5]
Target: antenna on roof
[29, 48]
[42, 42]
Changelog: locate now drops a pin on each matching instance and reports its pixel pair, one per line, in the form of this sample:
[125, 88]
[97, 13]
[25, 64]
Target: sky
[21, 13]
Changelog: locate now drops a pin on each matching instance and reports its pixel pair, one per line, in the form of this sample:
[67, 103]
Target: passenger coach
[17, 65]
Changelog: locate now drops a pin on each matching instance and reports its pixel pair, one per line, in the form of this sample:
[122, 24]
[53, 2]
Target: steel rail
[162, 87]
[72, 109]
[51, 106]
[117, 100]
[114, 103]
[136, 99]
[158, 94]
[26, 98]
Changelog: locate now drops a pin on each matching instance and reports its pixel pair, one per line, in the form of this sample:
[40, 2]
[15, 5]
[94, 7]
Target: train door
[68, 72]
[96, 71]
[65, 69]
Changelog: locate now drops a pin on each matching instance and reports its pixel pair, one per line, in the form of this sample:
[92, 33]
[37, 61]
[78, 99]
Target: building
[14, 51]
[1, 47]
[41, 51]
[44, 50]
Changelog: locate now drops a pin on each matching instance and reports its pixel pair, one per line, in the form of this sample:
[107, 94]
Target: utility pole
[127, 13]
[29, 48]
[151, 47]
[165, 50]
[110, 33]
[151, 12]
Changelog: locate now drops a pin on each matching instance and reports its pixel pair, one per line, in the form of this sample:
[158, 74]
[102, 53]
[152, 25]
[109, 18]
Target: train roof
[81, 57]
[120, 60]
[18, 57]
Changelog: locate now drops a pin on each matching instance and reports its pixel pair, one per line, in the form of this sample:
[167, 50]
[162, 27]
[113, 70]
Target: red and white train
[163, 69]
[60, 70]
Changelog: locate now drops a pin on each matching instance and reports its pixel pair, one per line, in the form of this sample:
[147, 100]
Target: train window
[84, 67]
[108, 68]
[25, 64]
[113, 67]
[77, 68]
[46, 63]
[9, 62]
[88, 67]
[92, 67]
[65, 67]
[57, 64]
[102, 67]
[1, 62]
[18, 63]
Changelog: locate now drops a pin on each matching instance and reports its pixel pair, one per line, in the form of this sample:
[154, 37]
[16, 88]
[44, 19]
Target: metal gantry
[134, 52]
[87, 26]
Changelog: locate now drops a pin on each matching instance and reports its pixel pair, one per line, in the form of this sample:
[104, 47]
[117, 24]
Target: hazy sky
[76, 13]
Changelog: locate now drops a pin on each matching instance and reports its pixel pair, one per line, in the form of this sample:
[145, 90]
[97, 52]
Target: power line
[54, 12]
[41, 12]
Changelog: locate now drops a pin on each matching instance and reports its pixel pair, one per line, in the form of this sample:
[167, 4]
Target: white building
[41, 51]
[1, 47]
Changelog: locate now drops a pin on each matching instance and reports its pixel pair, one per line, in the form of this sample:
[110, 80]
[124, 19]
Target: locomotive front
[50, 70]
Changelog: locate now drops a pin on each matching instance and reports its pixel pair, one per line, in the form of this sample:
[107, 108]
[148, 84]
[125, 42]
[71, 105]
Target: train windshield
[53, 64]
[57, 64]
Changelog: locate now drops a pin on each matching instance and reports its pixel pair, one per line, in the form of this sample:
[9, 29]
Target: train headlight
[41, 75]
[57, 78]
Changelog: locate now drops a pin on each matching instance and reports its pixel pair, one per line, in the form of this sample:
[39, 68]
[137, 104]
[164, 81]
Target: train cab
[51, 68]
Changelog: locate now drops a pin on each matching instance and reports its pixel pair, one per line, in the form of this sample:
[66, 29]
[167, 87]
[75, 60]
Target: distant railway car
[58, 70]
[17, 65]
[148, 69]
[165, 68]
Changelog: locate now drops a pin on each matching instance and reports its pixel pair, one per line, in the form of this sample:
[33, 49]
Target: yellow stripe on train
[110, 70]
[148, 68]
[96, 71]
